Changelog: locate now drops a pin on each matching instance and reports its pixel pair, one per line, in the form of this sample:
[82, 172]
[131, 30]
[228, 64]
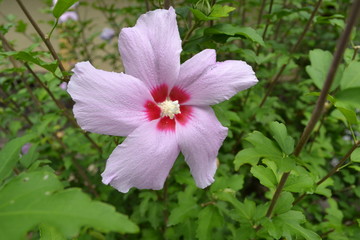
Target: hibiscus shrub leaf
[9, 154]
[62, 6]
[209, 219]
[38, 197]
[320, 65]
[281, 136]
[227, 30]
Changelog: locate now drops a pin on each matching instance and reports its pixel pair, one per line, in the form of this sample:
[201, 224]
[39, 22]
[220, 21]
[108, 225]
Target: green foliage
[54, 190]
[9, 155]
[38, 197]
[62, 6]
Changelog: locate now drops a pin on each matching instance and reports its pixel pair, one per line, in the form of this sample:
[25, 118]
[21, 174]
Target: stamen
[169, 108]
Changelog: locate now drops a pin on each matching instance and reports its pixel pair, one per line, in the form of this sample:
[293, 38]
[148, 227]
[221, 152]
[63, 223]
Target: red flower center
[162, 97]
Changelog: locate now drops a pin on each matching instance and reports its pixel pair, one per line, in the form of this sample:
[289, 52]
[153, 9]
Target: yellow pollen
[169, 108]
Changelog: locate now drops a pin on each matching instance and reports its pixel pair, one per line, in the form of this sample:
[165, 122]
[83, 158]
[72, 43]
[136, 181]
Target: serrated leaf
[264, 145]
[299, 184]
[62, 6]
[246, 156]
[9, 155]
[351, 76]
[209, 217]
[284, 203]
[181, 213]
[37, 197]
[265, 175]
[320, 65]
[235, 31]
[349, 97]
[290, 222]
[355, 156]
[219, 11]
[279, 132]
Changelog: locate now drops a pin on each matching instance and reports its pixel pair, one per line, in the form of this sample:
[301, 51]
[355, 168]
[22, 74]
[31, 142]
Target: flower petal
[199, 140]
[218, 82]
[151, 49]
[192, 69]
[143, 160]
[107, 102]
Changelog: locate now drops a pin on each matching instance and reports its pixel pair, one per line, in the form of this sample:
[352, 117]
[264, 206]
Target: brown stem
[147, 4]
[340, 48]
[43, 38]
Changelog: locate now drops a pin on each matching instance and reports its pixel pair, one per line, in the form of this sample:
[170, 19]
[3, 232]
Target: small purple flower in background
[63, 85]
[162, 106]
[107, 34]
[69, 14]
[25, 148]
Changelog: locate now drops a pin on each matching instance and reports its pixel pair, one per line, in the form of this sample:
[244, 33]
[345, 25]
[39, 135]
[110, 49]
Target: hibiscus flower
[161, 106]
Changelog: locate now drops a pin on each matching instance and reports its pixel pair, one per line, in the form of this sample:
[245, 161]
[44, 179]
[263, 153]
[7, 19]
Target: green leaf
[209, 218]
[181, 213]
[246, 156]
[48, 232]
[320, 65]
[351, 76]
[284, 203]
[219, 11]
[349, 96]
[279, 132]
[37, 197]
[358, 220]
[264, 145]
[290, 222]
[265, 175]
[355, 156]
[27, 159]
[235, 31]
[349, 114]
[299, 184]
[9, 155]
[62, 6]
[30, 57]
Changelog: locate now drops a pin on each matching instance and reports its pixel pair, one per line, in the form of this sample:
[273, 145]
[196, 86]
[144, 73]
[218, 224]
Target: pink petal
[199, 140]
[192, 69]
[143, 160]
[151, 49]
[107, 102]
[217, 82]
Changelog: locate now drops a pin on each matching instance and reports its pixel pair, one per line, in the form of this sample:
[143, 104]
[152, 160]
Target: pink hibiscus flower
[161, 106]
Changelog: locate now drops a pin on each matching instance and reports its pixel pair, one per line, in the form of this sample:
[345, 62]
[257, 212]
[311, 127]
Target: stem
[333, 170]
[268, 20]
[340, 48]
[44, 39]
